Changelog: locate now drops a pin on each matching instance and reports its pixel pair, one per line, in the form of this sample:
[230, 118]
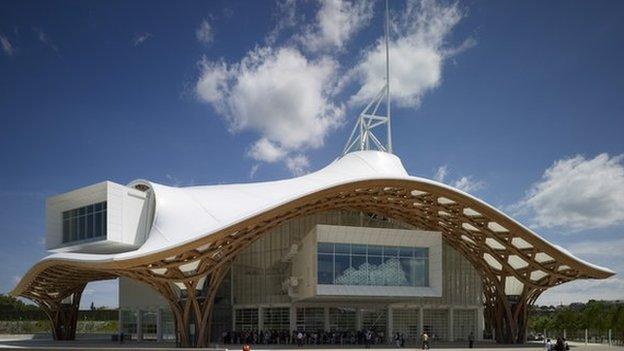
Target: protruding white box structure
[128, 218]
[305, 268]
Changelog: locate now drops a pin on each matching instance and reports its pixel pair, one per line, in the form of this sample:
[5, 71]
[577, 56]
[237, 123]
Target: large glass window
[310, 318]
[276, 318]
[85, 222]
[148, 324]
[246, 319]
[129, 320]
[342, 319]
[376, 265]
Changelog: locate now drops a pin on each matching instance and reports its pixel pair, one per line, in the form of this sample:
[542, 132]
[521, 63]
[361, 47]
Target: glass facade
[374, 319]
[375, 265]
[342, 319]
[310, 319]
[464, 322]
[148, 324]
[85, 222]
[405, 321]
[436, 323]
[168, 325]
[246, 319]
[129, 322]
[276, 318]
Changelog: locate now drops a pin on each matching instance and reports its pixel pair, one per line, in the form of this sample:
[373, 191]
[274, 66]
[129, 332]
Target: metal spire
[362, 136]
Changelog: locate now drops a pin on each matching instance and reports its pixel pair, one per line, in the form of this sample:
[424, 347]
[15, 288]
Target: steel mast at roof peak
[362, 136]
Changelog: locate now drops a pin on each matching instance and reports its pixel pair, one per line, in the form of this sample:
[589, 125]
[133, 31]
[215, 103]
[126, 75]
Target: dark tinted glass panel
[358, 262]
[391, 251]
[358, 249]
[325, 269]
[406, 251]
[66, 230]
[90, 226]
[420, 273]
[81, 227]
[97, 231]
[74, 229]
[325, 248]
[343, 248]
[85, 222]
[422, 252]
[374, 250]
[374, 260]
[342, 262]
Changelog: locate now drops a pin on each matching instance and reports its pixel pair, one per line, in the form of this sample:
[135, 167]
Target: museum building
[359, 245]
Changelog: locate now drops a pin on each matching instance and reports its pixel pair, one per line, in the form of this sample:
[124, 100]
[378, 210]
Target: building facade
[337, 272]
[357, 246]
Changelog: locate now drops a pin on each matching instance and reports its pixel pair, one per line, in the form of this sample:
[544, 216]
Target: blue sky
[520, 103]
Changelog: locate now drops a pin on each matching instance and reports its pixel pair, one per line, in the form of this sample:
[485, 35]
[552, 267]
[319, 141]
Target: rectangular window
[372, 265]
[246, 319]
[325, 269]
[85, 222]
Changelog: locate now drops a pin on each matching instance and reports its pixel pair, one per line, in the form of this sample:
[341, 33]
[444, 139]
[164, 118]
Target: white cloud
[277, 93]
[7, 47]
[298, 164]
[441, 173]
[336, 22]
[465, 183]
[601, 248]
[468, 184]
[266, 151]
[254, 170]
[43, 37]
[285, 17]
[417, 54]
[204, 33]
[578, 193]
[287, 93]
[140, 38]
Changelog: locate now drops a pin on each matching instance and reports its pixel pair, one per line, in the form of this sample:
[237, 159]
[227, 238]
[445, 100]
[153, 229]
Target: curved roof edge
[185, 215]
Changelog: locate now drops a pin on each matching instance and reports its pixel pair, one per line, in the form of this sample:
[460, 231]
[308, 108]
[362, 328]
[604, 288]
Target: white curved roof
[187, 213]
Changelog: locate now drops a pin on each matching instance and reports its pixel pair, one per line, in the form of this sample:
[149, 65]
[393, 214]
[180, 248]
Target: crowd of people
[559, 345]
[321, 337]
[298, 337]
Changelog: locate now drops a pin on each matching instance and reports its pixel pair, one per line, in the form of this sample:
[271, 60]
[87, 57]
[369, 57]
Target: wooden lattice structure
[516, 265]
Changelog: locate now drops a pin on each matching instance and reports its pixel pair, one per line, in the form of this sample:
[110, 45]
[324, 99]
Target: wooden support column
[62, 311]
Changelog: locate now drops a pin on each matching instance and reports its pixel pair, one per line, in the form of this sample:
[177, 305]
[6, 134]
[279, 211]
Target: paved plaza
[42, 342]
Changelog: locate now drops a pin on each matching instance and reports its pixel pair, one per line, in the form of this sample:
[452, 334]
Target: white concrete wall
[129, 216]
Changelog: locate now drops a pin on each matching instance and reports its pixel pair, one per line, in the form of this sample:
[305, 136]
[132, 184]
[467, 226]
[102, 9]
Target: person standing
[300, 339]
[470, 340]
[425, 341]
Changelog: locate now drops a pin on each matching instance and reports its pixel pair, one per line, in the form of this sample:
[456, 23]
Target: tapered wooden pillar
[62, 311]
[192, 306]
[509, 319]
